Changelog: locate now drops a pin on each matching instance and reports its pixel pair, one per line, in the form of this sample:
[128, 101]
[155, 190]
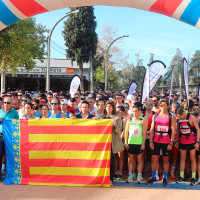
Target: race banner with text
[75, 83]
[71, 152]
[156, 68]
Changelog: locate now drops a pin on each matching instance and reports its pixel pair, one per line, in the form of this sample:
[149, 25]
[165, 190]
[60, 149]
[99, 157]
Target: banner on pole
[132, 88]
[185, 69]
[75, 83]
[171, 83]
[156, 68]
[69, 152]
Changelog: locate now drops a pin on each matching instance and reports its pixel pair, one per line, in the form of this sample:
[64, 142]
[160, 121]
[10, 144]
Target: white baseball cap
[130, 97]
[64, 101]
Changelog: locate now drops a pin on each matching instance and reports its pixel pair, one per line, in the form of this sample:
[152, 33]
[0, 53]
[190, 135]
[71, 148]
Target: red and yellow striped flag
[72, 152]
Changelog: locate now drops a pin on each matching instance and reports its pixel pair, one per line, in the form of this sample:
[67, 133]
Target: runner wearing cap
[64, 105]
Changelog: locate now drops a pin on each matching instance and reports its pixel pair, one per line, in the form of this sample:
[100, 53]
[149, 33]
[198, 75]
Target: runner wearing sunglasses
[55, 113]
[162, 135]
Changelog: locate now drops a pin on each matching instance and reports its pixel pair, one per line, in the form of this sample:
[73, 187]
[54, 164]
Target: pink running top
[162, 124]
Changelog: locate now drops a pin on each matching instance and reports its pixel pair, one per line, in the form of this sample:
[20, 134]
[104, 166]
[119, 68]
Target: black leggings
[112, 165]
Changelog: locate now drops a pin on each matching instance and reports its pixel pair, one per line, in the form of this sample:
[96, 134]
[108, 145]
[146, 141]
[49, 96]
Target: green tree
[195, 67]
[80, 37]
[177, 63]
[20, 43]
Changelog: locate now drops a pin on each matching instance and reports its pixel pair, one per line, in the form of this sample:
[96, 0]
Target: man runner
[164, 125]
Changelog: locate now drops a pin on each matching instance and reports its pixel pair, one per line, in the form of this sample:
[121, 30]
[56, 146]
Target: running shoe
[119, 177]
[151, 181]
[165, 182]
[130, 179]
[139, 179]
[180, 180]
[172, 176]
[157, 177]
[198, 183]
[192, 181]
[115, 177]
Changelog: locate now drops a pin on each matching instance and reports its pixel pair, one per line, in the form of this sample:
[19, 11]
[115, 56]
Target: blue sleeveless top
[67, 114]
[54, 116]
[38, 114]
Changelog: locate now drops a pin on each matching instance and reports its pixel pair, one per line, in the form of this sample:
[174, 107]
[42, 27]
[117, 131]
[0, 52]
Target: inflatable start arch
[12, 11]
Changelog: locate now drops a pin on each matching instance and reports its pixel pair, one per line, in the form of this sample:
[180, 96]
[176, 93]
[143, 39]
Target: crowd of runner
[158, 136]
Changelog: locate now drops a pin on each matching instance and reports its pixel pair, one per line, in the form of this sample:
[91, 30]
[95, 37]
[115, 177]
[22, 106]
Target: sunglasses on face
[118, 112]
[196, 109]
[75, 97]
[100, 103]
[6, 102]
[19, 95]
[24, 100]
[164, 106]
[125, 106]
[98, 96]
[55, 104]
[148, 104]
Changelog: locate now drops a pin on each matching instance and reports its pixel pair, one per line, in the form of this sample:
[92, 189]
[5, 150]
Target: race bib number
[136, 132]
[185, 130]
[163, 129]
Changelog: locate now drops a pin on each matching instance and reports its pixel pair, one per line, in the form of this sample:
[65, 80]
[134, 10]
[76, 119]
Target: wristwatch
[171, 143]
[150, 141]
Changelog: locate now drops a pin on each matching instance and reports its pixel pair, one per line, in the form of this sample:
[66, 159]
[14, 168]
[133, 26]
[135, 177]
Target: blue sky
[148, 32]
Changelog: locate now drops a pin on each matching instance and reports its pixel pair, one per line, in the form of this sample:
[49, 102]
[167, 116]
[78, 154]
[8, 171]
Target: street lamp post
[106, 70]
[48, 50]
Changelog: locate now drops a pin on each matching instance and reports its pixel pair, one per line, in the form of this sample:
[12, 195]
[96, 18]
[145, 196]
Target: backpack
[161, 132]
